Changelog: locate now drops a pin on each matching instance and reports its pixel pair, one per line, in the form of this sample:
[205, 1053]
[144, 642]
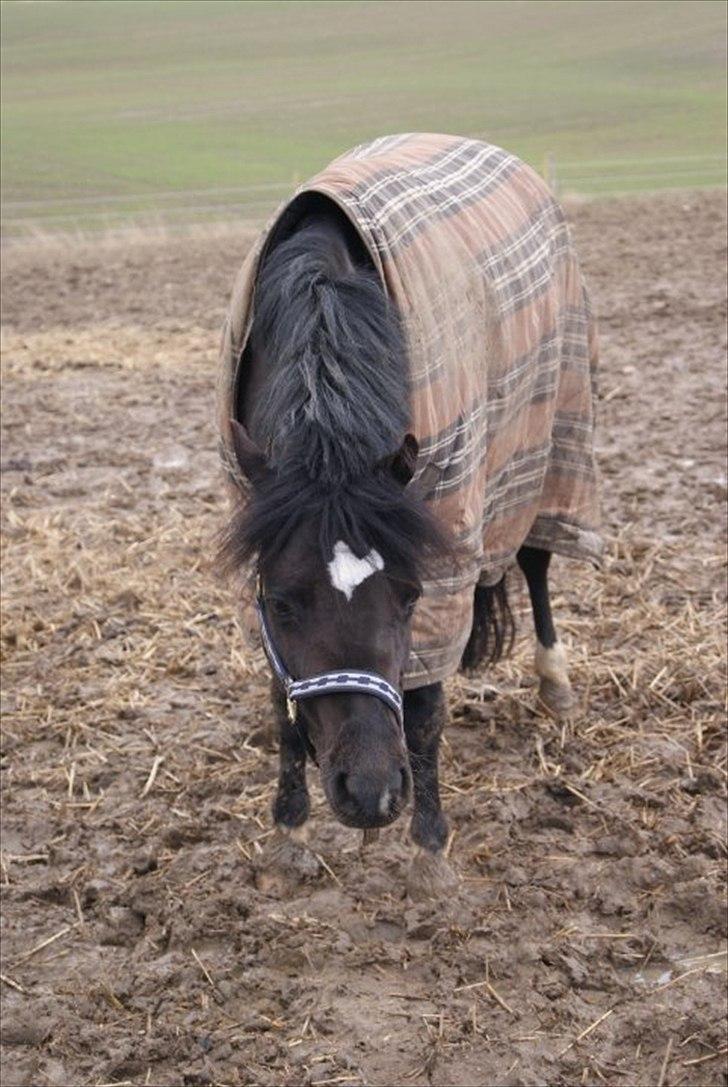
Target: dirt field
[586, 944]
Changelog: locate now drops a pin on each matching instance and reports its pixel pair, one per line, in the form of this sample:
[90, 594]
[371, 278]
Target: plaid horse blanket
[474, 250]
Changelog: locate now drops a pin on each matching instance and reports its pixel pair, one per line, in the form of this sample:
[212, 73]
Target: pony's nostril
[368, 799]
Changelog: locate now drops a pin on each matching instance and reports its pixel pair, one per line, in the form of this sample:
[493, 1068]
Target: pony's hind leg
[429, 875]
[554, 690]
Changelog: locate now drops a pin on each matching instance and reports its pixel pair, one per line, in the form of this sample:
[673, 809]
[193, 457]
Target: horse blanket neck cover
[474, 250]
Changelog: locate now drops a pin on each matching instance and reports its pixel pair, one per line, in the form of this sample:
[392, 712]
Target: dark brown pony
[340, 537]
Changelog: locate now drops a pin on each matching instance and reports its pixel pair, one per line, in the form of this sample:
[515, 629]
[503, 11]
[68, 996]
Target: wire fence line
[254, 202]
[152, 194]
[272, 186]
[191, 209]
[609, 178]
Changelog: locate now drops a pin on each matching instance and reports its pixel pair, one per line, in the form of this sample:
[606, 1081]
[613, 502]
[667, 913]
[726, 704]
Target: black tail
[494, 627]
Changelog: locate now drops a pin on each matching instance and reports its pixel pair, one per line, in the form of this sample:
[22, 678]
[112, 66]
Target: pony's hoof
[430, 876]
[557, 699]
[286, 863]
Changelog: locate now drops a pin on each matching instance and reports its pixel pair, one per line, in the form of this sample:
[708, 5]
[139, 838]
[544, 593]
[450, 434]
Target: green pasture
[190, 110]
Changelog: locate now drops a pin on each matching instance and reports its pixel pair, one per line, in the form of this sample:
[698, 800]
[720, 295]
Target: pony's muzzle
[362, 799]
[367, 777]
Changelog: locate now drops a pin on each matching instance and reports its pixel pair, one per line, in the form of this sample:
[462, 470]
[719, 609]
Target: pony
[335, 518]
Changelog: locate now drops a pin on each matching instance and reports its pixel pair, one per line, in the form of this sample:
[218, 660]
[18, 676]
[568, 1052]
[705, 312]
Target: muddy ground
[141, 942]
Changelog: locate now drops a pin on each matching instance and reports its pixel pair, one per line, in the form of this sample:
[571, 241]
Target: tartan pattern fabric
[475, 251]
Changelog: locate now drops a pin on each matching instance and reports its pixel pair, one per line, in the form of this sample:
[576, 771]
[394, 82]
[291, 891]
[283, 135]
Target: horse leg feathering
[429, 875]
[291, 805]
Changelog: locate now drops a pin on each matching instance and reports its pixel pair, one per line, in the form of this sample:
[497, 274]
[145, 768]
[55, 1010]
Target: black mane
[335, 412]
[339, 399]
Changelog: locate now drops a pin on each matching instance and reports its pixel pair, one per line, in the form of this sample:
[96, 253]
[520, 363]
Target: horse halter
[351, 681]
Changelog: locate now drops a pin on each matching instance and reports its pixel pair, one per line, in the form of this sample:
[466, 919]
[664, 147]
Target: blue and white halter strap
[351, 681]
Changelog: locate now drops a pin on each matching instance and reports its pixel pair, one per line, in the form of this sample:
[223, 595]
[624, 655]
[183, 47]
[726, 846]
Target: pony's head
[339, 572]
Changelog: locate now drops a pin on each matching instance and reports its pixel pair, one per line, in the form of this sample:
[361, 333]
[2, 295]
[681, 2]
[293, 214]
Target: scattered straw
[77, 904]
[708, 1057]
[680, 977]
[588, 1030]
[327, 868]
[13, 984]
[46, 943]
[152, 774]
[665, 1062]
[498, 998]
[203, 968]
[491, 992]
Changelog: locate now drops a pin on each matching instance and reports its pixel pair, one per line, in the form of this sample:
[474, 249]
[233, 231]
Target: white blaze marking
[347, 571]
[384, 802]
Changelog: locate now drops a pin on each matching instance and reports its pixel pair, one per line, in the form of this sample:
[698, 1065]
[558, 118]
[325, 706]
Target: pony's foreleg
[286, 861]
[424, 719]
[291, 805]
[554, 689]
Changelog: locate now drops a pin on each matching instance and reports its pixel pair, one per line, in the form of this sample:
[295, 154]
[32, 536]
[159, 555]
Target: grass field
[187, 111]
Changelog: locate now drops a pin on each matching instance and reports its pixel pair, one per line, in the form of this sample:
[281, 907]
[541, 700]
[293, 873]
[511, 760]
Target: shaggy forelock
[371, 512]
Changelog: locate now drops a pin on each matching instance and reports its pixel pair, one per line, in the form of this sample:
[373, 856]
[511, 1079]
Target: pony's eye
[280, 609]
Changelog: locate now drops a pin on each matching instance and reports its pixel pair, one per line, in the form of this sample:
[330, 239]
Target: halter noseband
[351, 681]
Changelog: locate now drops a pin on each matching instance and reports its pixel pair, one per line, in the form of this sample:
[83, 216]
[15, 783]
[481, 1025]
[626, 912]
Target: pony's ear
[401, 465]
[251, 460]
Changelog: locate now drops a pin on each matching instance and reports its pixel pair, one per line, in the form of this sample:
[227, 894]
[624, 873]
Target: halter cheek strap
[351, 681]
